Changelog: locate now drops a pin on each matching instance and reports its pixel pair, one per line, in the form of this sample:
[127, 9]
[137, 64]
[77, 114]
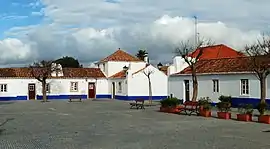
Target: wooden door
[31, 91]
[113, 90]
[186, 82]
[91, 90]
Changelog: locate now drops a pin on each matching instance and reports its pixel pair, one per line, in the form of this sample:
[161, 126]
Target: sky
[33, 30]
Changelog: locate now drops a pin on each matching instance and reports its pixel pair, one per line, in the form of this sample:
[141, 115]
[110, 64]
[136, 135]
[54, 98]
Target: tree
[147, 72]
[68, 62]
[184, 50]
[141, 54]
[42, 71]
[259, 62]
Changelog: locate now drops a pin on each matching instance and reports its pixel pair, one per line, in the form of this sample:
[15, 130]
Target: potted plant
[205, 107]
[169, 105]
[224, 106]
[263, 118]
[245, 112]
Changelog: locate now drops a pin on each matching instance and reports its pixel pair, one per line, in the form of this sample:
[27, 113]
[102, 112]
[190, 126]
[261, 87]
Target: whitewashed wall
[19, 87]
[112, 67]
[123, 92]
[138, 83]
[229, 84]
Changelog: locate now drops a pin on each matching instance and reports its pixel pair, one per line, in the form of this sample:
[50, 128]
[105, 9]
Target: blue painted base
[49, 97]
[120, 97]
[8, 98]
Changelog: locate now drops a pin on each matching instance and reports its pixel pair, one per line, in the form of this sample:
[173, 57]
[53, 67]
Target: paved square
[112, 125]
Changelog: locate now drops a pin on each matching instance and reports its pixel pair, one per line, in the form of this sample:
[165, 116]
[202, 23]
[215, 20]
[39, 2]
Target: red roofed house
[119, 76]
[221, 71]
[127, 80]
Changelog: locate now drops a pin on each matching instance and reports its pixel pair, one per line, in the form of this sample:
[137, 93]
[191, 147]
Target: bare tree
[147, 72]
[42, 71]
[259, 60]
[184, 50]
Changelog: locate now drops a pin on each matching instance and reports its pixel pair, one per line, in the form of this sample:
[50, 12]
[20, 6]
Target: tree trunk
[195, 86]
[263, 89]
[44, 96]
[150, 90]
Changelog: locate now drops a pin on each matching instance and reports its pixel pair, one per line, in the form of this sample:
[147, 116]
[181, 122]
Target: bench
[71, 97]
[190, 107]
[139, 103]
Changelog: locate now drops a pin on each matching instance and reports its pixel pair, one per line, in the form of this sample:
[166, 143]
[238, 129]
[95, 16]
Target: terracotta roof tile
[68, 72]
[216, 52]
[119, 75]
[121, 55]
[224, 65]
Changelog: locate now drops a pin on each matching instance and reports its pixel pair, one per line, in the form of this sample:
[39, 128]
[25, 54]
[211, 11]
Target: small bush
[225, 103]
[170, 102]
[262, 107]
[205, 102]
[245, 109]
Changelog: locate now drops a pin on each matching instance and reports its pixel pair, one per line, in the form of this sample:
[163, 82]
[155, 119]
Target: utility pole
[196, 31]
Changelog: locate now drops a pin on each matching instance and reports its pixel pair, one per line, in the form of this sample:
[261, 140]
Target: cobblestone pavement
[112, 125]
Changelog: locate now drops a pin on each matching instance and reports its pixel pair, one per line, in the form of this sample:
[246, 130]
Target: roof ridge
[120, 55]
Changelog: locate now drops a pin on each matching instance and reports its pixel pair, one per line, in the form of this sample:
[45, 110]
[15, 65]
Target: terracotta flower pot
[224, 115]
[264, 119]
[169, 109]
[205, 113]
[244, 117]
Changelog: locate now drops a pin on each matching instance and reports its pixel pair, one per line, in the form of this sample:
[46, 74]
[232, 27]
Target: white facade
[228, 85]
[17, 88]
[178, 65]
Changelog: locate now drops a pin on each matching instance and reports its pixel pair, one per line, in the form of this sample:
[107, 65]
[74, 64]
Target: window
[215, 86]
[74, 86]
[104, 68]
[244, 87]
[120, 87]
[3, 87]
[48, 88]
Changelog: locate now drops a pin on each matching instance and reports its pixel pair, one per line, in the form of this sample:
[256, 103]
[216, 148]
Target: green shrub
[225, 103]
[205, 102]
[245, 109]
[170, 102]
[262, 107]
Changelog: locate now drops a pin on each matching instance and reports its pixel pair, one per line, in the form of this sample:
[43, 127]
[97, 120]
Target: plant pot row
[222, 115]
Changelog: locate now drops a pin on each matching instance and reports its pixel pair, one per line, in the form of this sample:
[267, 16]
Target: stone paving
[112, 125]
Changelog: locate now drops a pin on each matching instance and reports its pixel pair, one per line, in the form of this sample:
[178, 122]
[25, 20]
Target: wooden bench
[71, 97]
[139, 103]
[189, 107]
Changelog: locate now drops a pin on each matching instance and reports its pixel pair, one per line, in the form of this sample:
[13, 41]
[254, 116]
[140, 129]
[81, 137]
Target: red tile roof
[119, 75]
[68, 72]
[121, 55]
[216, 52]
[223, 65]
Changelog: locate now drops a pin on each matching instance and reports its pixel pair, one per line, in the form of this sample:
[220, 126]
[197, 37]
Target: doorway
[186, 84]
[113, 90]
[91, 90]
[31, 91]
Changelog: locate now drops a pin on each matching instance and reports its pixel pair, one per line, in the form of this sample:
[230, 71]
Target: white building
[229, 76]
[111, 79]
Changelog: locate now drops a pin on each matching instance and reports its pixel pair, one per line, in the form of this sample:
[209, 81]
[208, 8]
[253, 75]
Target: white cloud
[92, 30]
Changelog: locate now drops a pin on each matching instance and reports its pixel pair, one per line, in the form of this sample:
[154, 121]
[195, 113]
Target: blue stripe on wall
[50, 97]
[103, 96]
[236, 101]
[121, 97]
[8, 98]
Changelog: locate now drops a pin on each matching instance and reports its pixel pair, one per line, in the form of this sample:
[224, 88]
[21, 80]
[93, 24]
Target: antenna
[195, 31]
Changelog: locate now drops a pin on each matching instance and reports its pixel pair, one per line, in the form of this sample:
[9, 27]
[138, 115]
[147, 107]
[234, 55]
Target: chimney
[159, 65]
[146, 58]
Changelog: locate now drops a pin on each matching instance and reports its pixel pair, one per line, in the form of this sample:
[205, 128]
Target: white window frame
[3, 88]
[120, 87]
[74, 86]
[244, 87]
[215, 83]
[48, 87]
